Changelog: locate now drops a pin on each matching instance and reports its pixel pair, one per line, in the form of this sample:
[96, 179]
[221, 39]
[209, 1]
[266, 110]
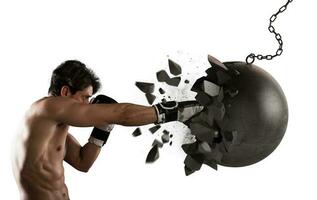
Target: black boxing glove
[176, 111]
[102, 99]
[100, 134]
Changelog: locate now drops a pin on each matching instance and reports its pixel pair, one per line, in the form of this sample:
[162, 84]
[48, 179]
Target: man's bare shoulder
[47, 106]
[52, 100]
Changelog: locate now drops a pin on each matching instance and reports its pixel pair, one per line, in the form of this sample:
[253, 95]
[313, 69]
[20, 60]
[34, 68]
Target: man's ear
[65, 91]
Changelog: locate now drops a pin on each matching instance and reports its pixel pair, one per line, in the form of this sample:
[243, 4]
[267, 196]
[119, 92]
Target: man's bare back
[39, 163]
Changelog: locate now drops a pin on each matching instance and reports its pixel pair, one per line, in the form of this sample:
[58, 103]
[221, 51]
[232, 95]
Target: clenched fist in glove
[100, 134]
[176, 111]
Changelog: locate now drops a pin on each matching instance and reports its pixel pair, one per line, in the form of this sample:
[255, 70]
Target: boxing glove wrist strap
[98, 137]
[166, 112]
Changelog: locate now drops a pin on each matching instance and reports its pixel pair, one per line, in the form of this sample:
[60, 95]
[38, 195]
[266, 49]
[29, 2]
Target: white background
[126, 41]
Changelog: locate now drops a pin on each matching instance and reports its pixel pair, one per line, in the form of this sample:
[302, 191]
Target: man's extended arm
[68, 111]
[82, 158]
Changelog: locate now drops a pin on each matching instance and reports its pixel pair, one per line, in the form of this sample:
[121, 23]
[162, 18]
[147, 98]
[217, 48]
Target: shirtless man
[44, 141]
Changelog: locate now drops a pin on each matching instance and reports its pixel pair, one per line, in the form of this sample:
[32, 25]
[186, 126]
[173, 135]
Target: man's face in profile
[82, 95]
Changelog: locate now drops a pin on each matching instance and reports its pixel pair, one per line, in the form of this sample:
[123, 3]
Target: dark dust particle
[137, 132]
[161, 91]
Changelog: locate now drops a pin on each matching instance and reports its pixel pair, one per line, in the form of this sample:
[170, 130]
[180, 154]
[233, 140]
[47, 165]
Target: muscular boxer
[44, 141]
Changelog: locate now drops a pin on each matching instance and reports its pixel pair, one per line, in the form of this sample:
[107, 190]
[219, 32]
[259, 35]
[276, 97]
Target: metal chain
[251, 57]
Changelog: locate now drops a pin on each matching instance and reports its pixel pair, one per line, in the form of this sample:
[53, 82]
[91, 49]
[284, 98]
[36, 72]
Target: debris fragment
[198, 85]
[211, 75]
[204, 147]
[158, 143]
[175, 69]
[202, 132]
[174, 81]
[191, 148]
[215, 155]
[165, 138]
[222, 77]
[137, 132]
[211, 163]
[161, 91]
[186, 81]
[203, 99]
[188, 171]
[216, 63]
[153, 154]
[154, 128]
[194, 162]
[150, 98]
[145, 87]
[210, 88]
[162, 76]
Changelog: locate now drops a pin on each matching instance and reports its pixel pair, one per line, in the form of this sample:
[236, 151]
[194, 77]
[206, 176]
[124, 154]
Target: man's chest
[57, 144]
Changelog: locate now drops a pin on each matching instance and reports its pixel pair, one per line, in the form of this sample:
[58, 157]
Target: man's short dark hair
[75, 75]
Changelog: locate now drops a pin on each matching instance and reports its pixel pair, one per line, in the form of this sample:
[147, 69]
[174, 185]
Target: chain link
[251, 57]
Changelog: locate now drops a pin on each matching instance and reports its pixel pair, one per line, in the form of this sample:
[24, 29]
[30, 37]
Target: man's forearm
[88, 154]
[137, 115]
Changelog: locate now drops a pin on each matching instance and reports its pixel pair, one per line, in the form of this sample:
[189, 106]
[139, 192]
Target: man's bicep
[77, 114]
